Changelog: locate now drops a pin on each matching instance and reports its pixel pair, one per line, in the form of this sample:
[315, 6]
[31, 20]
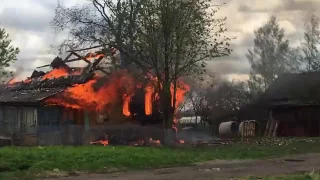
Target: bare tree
[195, 98]
[170, 38]
[220, 100]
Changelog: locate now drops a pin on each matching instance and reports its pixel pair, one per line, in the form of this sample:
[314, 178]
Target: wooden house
[293, 103]
[22, 104]
[22, 107]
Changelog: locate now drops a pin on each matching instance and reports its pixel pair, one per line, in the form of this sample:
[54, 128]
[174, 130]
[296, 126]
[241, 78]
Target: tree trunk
[166, 106]
[167, 114]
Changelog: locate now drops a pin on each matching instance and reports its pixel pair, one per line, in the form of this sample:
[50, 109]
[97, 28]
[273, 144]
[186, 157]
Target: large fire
[85, 96]
[99, 92]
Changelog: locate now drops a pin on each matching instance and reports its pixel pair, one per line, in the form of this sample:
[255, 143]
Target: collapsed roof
[37, 89]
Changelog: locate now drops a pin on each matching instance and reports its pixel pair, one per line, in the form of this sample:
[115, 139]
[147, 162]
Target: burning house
[293, 101]
[98, 95]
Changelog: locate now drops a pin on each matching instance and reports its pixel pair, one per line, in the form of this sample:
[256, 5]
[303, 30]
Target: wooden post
[270, 125]
[254, 129]
[274, 134]
[242, 130]
[86, 121]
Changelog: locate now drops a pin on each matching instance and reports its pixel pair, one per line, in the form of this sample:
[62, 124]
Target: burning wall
[102, 94]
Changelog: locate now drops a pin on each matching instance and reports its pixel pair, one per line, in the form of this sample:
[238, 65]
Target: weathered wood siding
[48, 119]
[27, 116]
[10, 119]
[1, 119]
[18, 119]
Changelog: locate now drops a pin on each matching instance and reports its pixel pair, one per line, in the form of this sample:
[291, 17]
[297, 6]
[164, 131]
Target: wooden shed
[293, 102]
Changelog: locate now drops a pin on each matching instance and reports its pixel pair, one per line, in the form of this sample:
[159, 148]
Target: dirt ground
[217, 170]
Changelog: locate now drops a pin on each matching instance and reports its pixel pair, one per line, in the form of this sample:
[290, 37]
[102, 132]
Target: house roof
[37, 83]
[294, 89]
[28, 96]
[38, 90]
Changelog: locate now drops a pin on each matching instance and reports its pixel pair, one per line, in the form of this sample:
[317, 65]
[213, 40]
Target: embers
[115, 140]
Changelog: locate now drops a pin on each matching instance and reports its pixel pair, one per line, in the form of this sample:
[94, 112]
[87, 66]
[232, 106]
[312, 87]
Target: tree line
[271, 55]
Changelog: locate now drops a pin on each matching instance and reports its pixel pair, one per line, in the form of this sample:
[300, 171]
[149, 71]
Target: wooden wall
[44, 119]
[38, 119]
[18, 119]
[298, 121]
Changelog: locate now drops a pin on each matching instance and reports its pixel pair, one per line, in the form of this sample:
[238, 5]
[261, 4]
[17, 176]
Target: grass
[28, 162]
[315, 175]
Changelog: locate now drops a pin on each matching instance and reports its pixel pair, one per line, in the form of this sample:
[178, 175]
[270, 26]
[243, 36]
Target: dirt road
[217, 170]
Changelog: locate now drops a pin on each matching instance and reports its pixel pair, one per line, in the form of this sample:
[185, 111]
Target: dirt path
[217, 170]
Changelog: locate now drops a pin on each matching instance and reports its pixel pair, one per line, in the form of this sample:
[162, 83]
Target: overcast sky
[27, 21]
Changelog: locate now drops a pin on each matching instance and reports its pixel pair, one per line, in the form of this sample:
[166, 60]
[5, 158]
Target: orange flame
[85, 96]
[13, 80]
[55, 73]
[126, 101]
[148, 100]
[27, 80]
[16, 80]
[103, 142]
[92, 56]
[182, 88]
[154, 141]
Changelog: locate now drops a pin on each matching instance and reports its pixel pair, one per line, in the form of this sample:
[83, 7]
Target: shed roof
[296, 89]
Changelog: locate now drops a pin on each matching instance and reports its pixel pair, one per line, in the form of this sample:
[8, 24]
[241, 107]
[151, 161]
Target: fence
[78, 135]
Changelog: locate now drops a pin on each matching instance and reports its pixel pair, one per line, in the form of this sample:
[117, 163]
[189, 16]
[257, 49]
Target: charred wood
[36, 74]
[82, 58]
[52, 83]
[59, 63]
[84, 49]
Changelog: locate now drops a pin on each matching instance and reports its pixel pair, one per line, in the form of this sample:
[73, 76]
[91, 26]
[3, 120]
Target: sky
[28, 23]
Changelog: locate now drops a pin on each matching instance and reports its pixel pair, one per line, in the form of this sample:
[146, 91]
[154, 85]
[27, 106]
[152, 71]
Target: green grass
[26, 162]
[295, 176]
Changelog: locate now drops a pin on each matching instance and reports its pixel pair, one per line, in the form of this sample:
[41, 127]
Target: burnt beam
[80, 57]
[58, 63]
[103, 70]
[84, 49]
[36, 74]
[67, 58]
[47, 65]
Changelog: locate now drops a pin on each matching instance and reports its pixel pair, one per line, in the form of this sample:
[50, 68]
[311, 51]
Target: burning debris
[87, 89]
[102, 142]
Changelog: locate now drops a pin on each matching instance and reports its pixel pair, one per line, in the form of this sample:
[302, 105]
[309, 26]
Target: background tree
[170, 38]
[195, 98]
[222, 99]
[310, 55]
[8, 54]
[270, 56]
